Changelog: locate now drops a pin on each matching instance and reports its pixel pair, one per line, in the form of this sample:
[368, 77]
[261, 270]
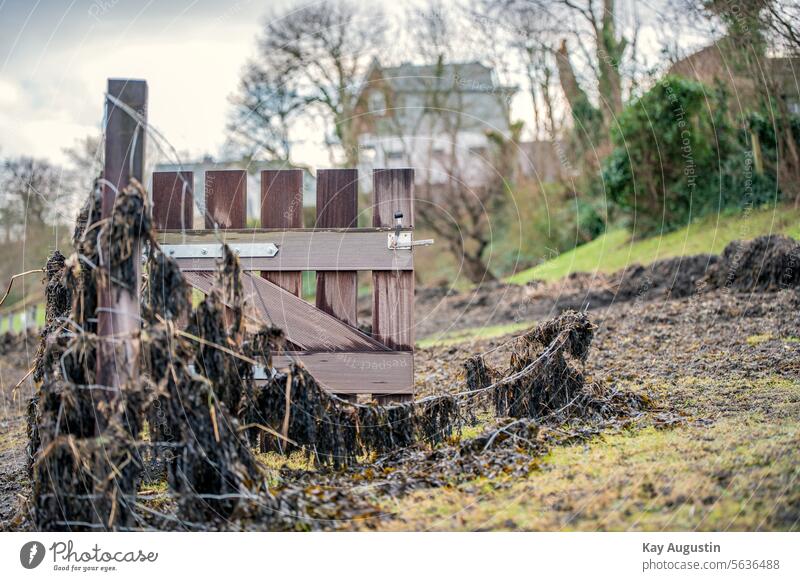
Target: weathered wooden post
[118, 314]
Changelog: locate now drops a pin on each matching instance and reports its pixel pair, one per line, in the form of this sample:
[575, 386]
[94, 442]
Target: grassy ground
[738, 473]
[465, 335]
[615, 249]
[17, 323]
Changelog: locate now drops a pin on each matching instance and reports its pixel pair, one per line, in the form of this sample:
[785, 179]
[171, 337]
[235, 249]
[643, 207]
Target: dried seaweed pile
[205, 413]
[545, 381]
[68, 459]
[58, 299]
[299, 412]
[508, 448]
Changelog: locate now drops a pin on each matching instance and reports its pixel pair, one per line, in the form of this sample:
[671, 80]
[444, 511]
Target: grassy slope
[615, 250]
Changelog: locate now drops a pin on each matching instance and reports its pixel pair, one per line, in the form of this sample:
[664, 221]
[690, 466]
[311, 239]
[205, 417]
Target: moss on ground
[731, 466]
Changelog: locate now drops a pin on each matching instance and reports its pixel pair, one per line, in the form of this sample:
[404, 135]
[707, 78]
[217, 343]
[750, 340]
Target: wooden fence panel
[226, 198]
[282, 207]
[393, 291]
[337, 207]
[173, 200]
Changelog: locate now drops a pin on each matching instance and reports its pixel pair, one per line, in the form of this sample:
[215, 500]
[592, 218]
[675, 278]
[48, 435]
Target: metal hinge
[244, 250]
[404, 241]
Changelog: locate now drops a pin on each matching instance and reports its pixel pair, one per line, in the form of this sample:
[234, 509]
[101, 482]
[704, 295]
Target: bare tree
[529, 33]
[85, 165]
[312, 57]
[579, 38]
[264, 109]
[32, 193]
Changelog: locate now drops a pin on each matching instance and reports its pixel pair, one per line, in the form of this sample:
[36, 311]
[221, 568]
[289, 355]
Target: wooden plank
[226, 198]
[118, 307]
[173, 200]
[393, 292]
[393, 191]
[316, 250]
[304, 325]
[353, 373]
[337, 207]
[282, 207]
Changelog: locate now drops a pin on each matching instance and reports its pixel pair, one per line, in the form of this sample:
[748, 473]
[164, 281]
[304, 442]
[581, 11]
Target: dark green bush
[665, 166]
[678, 155]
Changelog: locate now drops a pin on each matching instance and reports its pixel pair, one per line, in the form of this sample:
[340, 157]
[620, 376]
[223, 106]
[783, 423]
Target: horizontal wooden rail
[386, 372]
[350, 249]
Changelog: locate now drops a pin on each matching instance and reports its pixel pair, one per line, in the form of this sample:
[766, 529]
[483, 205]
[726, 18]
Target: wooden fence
[324, 336]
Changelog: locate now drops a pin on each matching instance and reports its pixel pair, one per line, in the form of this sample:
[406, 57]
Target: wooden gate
[324, 337]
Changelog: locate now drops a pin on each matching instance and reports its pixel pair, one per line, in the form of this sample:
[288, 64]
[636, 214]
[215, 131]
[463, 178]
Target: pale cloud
[51, 92]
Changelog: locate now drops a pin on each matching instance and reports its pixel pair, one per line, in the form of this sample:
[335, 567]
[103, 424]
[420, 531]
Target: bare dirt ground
[726, 365]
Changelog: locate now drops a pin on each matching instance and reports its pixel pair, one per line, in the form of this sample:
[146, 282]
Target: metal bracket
[404, 241]
[243, 249]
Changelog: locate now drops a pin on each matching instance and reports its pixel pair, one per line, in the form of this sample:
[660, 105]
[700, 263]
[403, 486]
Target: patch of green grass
[466, 335]
[754, 340]
[16, 324]
[616, 250]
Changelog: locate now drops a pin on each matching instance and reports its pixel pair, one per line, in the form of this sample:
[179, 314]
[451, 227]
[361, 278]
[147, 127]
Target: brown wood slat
[393, 292]
[305, 326]
[316, 250]
[355, 373]
[282, 207]
[226, 198]
[337, 207]
[173, 200]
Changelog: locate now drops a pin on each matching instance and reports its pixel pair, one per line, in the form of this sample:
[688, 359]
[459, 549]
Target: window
[377, 103]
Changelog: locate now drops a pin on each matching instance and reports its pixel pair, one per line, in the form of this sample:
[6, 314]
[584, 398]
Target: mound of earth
[765, 264]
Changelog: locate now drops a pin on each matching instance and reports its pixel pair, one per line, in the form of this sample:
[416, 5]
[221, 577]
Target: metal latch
[403, 240]
[244, 250]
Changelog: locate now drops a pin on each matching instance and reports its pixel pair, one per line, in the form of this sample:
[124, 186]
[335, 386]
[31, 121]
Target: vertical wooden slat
[337, 207]
[226, 204]
[226, 198]
[393, 292]
[282, 207]
[173, 200]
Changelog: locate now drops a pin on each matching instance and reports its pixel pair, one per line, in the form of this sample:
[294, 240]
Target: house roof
[471, 77]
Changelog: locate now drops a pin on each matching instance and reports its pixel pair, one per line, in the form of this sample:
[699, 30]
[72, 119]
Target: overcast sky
[55, 57]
